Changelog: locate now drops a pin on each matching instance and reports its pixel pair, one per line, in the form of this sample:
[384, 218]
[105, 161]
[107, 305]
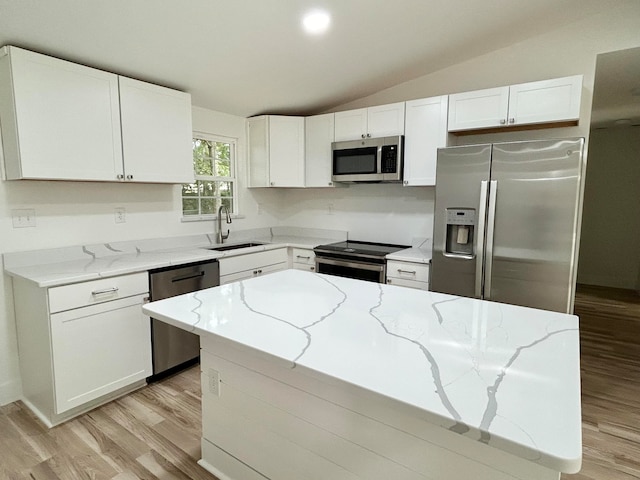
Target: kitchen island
[313, 376]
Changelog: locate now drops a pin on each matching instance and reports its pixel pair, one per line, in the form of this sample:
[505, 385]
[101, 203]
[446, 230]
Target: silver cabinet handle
[312, 268]
[482, 219]
[302, 256]
[259, 271]
[491, 220]
[330, 183]
[120, 176]
[255, 272]
[363, 136]
[272, 184]
[105, 291]
[129, 177]
[412, 272]
[368, 135]
[503, 121]
[512, 120]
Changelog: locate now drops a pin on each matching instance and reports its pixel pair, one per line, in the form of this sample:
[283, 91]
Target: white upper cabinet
[319, 133]
[156, 133]
[60, 120]
[480, 109]
[425, 132]
[379, 121]
[547, 101]
[556, 100]
[63, 121]
[276, 151]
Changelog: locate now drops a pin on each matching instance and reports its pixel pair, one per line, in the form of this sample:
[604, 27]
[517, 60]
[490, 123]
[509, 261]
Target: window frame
[233, 179]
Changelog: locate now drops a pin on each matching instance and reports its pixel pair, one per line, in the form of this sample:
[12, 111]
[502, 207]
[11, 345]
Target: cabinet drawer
[251, 261]
[401, 282]
[67, 297]
[256, 272]
[305, 267]
[408, 271]
[303, 256]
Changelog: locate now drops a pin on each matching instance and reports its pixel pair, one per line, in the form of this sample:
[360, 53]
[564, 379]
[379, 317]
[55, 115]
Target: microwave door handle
[379, 160]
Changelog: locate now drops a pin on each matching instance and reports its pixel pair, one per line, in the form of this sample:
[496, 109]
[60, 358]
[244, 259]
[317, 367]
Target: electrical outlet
[214, 382]
[24, 218]
[121, 215]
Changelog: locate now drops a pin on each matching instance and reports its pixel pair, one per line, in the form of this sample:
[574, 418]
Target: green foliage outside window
[213, 164]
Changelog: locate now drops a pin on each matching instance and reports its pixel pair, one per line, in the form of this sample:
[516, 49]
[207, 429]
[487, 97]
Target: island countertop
[503, 375]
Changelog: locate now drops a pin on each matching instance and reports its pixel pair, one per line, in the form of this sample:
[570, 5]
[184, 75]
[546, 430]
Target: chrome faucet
[221, 236]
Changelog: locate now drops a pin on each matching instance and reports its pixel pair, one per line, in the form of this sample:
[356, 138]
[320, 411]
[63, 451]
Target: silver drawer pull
[412, 272]
[302, 256]
[105, 291]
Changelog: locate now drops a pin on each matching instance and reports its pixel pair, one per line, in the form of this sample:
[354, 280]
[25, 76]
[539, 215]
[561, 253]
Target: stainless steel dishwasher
[173, 348]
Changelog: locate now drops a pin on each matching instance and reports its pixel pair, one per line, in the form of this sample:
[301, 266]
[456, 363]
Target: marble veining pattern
[499, 374]
[60, 266]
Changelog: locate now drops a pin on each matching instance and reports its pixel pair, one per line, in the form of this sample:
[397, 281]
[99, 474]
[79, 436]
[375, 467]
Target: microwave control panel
[389, 159]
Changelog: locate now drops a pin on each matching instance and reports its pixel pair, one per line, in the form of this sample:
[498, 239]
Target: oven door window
[355, 161]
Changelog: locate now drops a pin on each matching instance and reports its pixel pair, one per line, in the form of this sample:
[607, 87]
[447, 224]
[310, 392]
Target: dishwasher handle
[188, 276]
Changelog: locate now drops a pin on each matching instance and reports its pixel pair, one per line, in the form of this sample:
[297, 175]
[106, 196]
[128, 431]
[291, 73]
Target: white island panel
[496, 384]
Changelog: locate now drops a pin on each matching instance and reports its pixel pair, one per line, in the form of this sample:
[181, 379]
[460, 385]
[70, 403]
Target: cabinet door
[478, 109]
[555, 100]
[258, 140]
[60, 120]
[97, 350]
[385, 120]
[351, 125]
[426, 131]
[156, 133]
[286, 151]
[319, 133]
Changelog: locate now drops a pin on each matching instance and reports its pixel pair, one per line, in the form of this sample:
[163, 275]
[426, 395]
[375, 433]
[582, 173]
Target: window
[215, 185]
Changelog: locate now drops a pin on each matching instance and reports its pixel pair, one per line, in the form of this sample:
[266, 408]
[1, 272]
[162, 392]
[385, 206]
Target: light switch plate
[23, 218]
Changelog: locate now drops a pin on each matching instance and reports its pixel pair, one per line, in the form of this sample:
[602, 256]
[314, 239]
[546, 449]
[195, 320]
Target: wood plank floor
[154, 433]
[610, 364]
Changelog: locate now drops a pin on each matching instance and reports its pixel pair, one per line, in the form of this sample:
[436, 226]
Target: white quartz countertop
[499, 374]
[83, 263]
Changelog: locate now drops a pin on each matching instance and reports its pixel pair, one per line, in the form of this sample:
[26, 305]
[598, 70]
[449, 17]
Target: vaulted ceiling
[248, 57]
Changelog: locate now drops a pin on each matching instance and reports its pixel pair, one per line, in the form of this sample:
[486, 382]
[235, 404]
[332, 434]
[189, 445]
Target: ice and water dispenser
[461, 224]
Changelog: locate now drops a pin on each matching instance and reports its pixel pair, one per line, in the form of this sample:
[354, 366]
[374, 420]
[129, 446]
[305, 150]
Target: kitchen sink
[223, 248]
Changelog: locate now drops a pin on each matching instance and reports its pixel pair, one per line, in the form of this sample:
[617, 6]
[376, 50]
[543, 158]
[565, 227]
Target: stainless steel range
[355, 259]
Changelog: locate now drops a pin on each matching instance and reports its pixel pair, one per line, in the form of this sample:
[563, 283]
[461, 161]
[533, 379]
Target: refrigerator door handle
[493, 192]
[482, 217]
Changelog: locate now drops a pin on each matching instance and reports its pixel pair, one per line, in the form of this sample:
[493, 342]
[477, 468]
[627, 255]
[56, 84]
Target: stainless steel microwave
[368, 160]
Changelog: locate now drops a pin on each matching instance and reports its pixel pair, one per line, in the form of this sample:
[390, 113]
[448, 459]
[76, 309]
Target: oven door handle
[346, 263]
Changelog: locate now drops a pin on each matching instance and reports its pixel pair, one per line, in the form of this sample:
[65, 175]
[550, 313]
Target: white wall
[610, 250]
[75, 213]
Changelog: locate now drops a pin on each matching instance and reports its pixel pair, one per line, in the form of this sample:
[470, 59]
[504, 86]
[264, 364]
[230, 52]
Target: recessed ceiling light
[316, 22]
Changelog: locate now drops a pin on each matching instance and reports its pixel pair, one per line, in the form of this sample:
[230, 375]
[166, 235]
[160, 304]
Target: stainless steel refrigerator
[506, 222]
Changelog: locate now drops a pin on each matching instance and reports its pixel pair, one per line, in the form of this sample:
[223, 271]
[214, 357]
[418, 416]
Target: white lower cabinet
[408, 274]
[303, 259]
[81, 344]
[243, 267]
